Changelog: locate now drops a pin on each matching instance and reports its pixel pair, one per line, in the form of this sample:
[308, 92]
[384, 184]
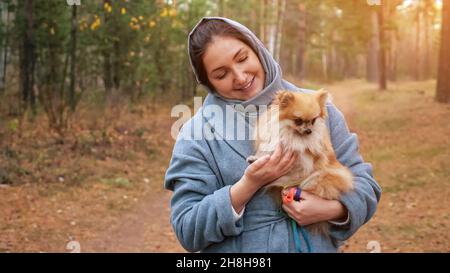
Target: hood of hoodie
[272, 70]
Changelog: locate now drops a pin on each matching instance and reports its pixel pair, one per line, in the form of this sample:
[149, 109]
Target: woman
[217, 205]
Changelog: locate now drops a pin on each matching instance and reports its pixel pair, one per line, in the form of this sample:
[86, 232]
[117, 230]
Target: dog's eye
[314, 120]
[298, 121]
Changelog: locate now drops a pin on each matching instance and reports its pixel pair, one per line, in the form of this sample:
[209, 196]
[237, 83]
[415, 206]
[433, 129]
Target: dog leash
[294, 195]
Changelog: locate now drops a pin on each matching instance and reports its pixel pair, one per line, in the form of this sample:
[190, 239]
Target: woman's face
[233, 68]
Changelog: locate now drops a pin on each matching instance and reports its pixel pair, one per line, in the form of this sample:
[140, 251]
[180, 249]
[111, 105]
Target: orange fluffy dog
[297, 122]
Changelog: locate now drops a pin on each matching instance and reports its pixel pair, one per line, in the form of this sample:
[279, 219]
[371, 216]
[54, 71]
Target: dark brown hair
[203, 35]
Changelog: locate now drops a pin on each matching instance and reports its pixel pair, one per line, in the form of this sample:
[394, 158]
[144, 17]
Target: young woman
[218, 204]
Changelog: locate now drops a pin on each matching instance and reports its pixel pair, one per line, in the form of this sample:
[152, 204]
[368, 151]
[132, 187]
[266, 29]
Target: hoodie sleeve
[361, 202]
[201, 210]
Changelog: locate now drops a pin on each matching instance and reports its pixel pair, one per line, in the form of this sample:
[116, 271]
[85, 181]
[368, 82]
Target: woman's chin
[246, 94]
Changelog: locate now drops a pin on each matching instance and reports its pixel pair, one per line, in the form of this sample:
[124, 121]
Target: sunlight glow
[405, 5]
[438, 4]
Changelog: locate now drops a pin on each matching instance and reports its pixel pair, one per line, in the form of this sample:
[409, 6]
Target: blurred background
[86, 90]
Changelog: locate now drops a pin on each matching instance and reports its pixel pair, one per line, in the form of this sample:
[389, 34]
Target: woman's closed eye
[243, 59]
[221, 76]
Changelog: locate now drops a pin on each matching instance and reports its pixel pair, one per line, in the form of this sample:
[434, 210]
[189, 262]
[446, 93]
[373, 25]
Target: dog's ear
[284, 98]
[322, 97]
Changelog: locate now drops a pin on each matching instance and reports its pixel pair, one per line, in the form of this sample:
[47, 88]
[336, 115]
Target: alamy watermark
[374, 2]
[73, 2]
[74, 246]
[374, 247]
[215, 122]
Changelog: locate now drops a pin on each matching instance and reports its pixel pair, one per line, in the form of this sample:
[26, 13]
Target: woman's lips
[247, 86]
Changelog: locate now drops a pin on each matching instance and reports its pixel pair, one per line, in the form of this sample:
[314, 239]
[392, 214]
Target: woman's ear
[284, 98]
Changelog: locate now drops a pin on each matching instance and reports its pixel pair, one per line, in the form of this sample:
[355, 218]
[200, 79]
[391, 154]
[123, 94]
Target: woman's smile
[248, 86]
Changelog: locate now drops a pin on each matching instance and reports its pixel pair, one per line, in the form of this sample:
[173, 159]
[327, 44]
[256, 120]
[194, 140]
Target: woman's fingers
[290, 162]
[275, 157]
[293, 160]
[259, 163]
[274, 165]
[289, 210]
[292, 212]
[286, 157]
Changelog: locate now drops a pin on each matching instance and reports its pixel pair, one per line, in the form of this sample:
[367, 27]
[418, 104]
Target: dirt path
[341, 96]
[144, 229]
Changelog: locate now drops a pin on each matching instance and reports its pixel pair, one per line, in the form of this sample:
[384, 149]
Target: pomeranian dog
[297, 122]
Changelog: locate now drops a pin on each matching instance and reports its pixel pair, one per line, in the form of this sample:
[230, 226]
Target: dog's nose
[308, 131]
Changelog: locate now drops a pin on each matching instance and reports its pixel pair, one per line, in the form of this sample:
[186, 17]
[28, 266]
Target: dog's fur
[302, 129]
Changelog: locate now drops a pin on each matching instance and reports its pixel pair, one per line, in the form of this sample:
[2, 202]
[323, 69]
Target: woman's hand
[261, 172]
[313, 209]
[270, 167]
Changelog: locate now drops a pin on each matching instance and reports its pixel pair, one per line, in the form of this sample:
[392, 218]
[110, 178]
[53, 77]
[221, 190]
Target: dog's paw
[251, 159]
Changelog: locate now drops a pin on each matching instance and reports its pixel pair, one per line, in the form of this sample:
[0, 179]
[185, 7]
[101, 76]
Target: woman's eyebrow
[234, 57]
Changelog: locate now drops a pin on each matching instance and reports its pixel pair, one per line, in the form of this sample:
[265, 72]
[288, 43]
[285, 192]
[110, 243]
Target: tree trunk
[28, 60]
[4, 54]
[73, 58]
[262, 22]
[107, 63]
[443, 81]
[333, 64]
[279, 30]
[427, 59]
[254, 18]
[393, 60]
[392, 40]
[372, 55]
[272, 27]
[107, 78]
[382, 51]
[417, 68]
[299, 64]
[116, 65]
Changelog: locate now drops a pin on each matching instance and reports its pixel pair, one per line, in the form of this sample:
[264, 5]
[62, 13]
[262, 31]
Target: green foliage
[13, 125]
[139, 47]
[117, 182]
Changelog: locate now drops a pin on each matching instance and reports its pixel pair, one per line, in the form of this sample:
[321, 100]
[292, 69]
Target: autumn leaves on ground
[102, 184]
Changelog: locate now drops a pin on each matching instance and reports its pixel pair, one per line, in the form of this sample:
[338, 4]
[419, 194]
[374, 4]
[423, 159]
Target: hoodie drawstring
[269, 243]
[298, 246]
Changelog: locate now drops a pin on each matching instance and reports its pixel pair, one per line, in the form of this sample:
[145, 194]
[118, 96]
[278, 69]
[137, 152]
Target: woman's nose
[240, 78]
